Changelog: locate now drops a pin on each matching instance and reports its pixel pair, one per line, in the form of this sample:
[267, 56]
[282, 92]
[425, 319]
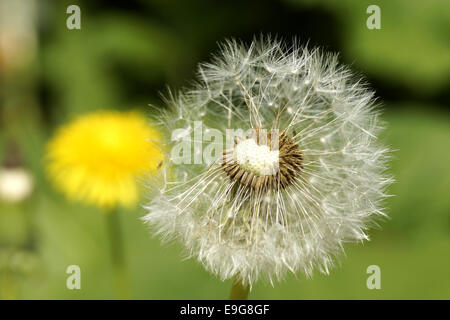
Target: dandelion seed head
[258, 211]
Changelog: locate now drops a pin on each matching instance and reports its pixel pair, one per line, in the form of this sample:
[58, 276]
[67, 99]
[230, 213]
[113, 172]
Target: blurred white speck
[15, 184]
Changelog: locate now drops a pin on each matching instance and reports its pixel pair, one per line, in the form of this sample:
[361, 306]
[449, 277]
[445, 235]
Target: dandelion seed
[259, 212]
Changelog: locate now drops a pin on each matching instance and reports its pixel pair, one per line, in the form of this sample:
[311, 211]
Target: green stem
[117, 255]
[238, 290]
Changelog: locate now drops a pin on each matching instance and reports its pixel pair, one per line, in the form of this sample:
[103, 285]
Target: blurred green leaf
[412, 47]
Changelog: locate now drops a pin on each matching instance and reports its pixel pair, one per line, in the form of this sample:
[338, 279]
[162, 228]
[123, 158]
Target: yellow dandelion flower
[98, 157]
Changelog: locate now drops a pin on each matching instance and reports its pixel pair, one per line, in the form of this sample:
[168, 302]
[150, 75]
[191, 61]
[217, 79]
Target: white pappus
[245, 216]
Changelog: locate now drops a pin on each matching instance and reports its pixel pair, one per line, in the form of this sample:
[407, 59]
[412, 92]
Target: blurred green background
[128, 51]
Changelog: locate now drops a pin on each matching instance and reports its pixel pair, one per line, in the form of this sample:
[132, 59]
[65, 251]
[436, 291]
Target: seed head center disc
[256, 162]
[258, 159]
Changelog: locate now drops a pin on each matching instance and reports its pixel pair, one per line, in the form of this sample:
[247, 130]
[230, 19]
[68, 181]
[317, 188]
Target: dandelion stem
[238, 290]
[117, 255]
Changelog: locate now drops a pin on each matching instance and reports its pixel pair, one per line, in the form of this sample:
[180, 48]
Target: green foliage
[412, 47]
[122, 59]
